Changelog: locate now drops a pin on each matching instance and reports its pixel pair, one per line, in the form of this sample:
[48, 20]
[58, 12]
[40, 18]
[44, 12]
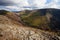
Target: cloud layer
[18, 5]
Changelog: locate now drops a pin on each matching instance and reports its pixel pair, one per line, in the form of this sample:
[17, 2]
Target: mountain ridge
[13, 28]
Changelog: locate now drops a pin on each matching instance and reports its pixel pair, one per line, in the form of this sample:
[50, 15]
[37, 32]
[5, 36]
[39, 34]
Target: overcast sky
[18, 5]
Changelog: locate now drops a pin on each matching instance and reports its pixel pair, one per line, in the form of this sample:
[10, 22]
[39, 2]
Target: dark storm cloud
[6, 3]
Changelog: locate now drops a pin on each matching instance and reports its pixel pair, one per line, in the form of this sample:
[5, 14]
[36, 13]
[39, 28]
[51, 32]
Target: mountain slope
[12, 29]
[46, 19]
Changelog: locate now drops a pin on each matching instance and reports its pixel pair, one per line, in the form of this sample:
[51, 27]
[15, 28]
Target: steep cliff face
[12, 29]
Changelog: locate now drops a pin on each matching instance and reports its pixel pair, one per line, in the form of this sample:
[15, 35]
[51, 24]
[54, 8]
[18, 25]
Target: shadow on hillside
[3, 12]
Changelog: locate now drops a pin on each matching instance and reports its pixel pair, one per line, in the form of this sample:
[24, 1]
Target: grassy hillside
[47, 19]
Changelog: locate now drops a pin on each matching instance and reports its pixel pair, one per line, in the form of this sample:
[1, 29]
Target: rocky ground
[10, 29]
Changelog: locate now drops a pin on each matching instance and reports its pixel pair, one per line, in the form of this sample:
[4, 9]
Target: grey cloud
[6, 3]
